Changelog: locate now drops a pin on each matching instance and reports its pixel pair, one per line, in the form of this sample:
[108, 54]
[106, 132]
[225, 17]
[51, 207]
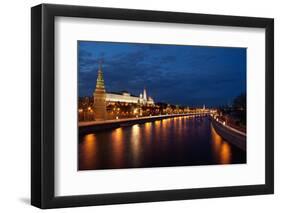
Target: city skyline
[174, 74]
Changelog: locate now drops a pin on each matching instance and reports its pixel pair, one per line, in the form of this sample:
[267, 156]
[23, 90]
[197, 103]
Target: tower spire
[100, 64]
[100, 80]
[144, 94]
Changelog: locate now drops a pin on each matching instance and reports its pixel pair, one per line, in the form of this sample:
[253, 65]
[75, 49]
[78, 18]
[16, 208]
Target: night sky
[175, 74]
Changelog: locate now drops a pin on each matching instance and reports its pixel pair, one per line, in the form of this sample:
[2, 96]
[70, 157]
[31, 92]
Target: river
[179, 141]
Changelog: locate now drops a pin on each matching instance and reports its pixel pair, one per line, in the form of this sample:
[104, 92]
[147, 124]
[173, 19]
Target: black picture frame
[43, 110]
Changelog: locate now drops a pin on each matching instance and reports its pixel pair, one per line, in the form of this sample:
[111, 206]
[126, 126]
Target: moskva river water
[179, 141]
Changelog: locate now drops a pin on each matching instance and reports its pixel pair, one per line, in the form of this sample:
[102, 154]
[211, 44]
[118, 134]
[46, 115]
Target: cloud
[178, 74]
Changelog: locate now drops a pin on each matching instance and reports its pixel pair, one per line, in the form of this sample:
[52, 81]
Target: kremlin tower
[100, 98]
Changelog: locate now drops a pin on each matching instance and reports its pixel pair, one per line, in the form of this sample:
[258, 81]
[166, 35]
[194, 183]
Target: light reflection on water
[88, 150]
[221, 148]
[117, 146]
[177, 141]
[147, 132]
[135, 144]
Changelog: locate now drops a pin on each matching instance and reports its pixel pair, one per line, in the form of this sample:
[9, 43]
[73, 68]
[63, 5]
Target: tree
[239, 103]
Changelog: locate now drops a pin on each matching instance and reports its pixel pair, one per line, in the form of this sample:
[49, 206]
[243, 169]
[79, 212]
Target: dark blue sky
[176, 74]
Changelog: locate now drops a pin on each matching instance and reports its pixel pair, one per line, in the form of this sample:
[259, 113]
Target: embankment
[233, 136]
[93, 126]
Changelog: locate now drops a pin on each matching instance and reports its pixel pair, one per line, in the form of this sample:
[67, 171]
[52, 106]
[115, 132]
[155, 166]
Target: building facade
[125, 97]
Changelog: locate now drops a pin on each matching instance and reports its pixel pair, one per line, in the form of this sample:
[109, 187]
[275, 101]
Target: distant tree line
[237, 112]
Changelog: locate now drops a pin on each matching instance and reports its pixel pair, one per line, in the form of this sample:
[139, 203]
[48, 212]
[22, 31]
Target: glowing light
[224, 123]
[117, 117]
[135, 111]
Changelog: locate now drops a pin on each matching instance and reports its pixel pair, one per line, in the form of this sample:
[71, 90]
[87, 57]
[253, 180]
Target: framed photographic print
[139, 106]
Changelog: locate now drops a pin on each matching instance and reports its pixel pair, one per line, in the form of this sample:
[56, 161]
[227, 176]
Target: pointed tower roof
[144, 94]
[100, 80]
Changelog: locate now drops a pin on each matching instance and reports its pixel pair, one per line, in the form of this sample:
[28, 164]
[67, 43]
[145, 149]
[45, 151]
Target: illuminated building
[100, 98]
[125, 97]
